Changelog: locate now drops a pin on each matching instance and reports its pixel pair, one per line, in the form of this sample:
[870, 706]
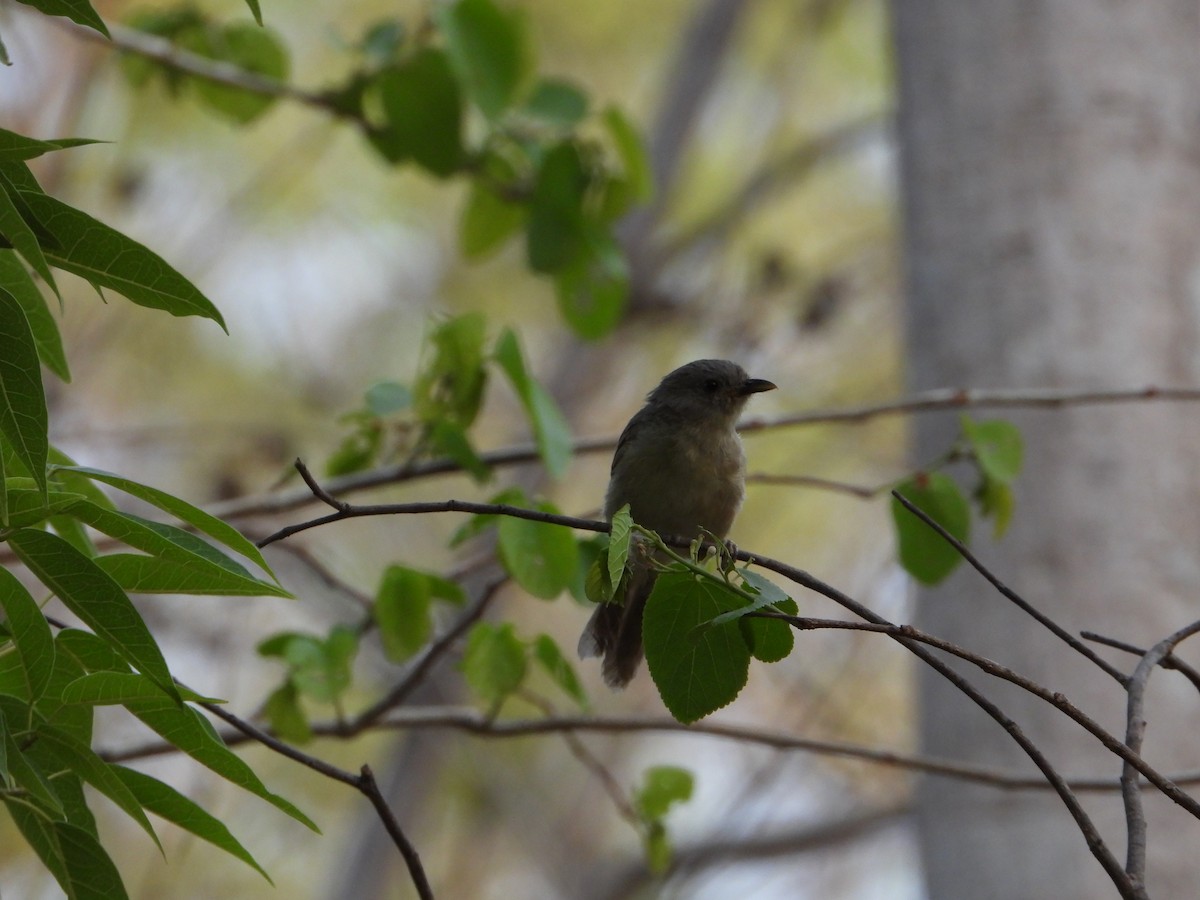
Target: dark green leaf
[83, 762]
[181, 509]
[154, 575]
[16, 280]
[31, 636]
[997, 446]
[923, 552]
[770, 640]
[494, 662]
[17, 147]
[108, 259]
[402, 612]
[696, 671]
[550, 428]
[117, 689]
[555, 230]
[78, 11]
[183, 727]
[23, 771]
[91, 873]
[488, 49]
[93, 596]
[593, 290]
[422, 112]
[541, 558]
[15, 228]
[166, 802]
[23, 418]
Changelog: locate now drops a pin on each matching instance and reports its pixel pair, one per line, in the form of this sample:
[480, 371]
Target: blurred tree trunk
[1051, 178]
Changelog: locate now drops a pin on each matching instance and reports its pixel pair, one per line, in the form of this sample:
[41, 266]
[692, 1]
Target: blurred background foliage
[769, 240]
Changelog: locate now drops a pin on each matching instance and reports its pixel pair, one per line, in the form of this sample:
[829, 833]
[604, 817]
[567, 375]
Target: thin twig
[1170, 661]
[473, 722]
[1005, 591]
[927, 402]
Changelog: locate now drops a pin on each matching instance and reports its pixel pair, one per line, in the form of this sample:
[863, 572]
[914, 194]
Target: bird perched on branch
[680, 466]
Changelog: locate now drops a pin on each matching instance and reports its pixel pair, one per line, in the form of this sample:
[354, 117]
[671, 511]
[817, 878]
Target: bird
[680, 466]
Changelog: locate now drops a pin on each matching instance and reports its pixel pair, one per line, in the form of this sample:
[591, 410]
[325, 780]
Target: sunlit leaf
[550, 428]
[494, 662]
[542, 558]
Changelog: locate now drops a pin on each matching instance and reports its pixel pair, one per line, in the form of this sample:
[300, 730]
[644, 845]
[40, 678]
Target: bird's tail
[614, 632]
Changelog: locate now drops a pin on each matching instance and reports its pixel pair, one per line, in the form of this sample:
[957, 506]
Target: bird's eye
[711, 385]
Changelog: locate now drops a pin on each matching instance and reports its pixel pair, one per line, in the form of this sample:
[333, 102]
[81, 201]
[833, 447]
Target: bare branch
[1028, 608]
[1135, 724]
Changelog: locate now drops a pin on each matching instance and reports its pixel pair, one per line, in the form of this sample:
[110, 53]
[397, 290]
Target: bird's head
[708, 388]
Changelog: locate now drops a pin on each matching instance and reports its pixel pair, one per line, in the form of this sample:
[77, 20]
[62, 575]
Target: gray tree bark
[1051, 181]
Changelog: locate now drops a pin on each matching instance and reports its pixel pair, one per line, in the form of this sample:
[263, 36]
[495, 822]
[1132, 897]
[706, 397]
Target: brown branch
[521, 454]
[1017, 600]
[1170, 661]
[1135, 724]
[363, 782]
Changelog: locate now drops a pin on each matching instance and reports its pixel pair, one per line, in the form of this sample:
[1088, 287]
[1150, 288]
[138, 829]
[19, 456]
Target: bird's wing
[631, 430]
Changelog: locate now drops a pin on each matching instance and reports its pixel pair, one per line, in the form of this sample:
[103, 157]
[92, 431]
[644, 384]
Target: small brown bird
[680, 466]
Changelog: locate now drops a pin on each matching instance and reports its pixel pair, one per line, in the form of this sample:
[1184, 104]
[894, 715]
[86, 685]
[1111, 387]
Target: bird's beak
[755, 386]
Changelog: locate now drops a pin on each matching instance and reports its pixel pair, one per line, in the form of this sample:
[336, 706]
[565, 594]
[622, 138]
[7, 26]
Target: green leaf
[923, 552]
[696, 672]
[450, 386]
[90, 872]
[995, 500]
[770, 640]
[997, 446]
[422, 112]
[320, 668]
[402, 612]
[108, 259]
[31, 636]
[489, 50]
[93, 596]
[181, 509]
[450, 440]
[494, 662]
[184, 728]
[559, 668]
[550, 428]
[23, 417]
[632, 151]
[555, 230]
[78, 11]
[18, 147]
[251, 48]
[140, 574]
[287, 719]
[16, 280]
[619, 541]
[557, 103]
[387, 397]
[83, 761]
[488, 220]
[20, 235]
[23, 771]
[662, 787]
[117, 689]
[541, 558]
[167, 803]
[593, 290]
